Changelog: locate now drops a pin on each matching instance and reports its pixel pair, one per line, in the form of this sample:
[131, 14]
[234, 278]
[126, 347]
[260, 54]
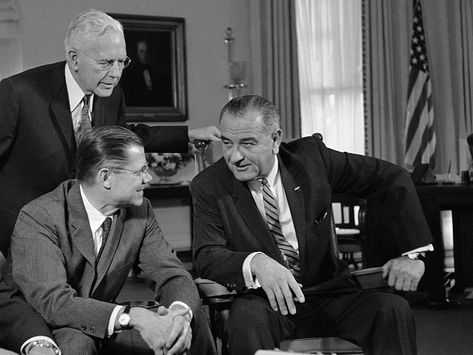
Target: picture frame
[155, 83]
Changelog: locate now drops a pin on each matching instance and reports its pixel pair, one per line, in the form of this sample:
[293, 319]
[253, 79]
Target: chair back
[203, 154]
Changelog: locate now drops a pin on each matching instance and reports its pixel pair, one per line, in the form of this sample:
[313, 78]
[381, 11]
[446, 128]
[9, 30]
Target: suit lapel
[60, 110]
[246, 206]
[81, 234]
[110, 248]
[295, 198]
[98, 112]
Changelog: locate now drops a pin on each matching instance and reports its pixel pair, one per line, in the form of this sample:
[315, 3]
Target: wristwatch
[42, 343]
[416, 256]
[124, 319]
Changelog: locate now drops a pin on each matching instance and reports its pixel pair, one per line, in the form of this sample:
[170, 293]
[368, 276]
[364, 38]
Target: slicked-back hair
[86, 26]
[240, 106]
[101, 147]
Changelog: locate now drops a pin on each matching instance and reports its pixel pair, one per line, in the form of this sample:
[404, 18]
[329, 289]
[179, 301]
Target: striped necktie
[106, 225]
[84, 124]
[290, 255]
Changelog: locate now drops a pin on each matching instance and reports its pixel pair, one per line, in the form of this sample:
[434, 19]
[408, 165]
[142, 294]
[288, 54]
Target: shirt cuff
[429, 247]
[175, 303]
[41, 337]
[113, 319]
[250, 280]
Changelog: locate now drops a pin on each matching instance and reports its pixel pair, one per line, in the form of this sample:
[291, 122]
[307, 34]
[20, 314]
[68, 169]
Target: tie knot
[86, 100]
[106, 225]
[264, 181]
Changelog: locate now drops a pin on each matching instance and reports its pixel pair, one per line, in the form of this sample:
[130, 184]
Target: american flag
[420, 133]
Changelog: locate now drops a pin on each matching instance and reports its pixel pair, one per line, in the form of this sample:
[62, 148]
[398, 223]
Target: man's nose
[147, 177]
[236, 155]
[115, 70]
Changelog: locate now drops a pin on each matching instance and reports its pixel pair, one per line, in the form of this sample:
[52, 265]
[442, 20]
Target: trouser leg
[380, 322]
[73, 342]
[253, 325]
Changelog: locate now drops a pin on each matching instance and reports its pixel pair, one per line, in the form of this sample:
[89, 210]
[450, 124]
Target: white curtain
[330, 71]
[11, 59]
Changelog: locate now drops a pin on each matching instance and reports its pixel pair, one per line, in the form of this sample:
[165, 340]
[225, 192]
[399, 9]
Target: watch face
[124, 320]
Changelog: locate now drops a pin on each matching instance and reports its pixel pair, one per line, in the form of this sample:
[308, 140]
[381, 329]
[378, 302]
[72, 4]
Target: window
[330, 71]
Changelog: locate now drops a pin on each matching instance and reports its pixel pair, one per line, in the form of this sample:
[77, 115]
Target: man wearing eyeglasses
[73, 248]
[45, 111]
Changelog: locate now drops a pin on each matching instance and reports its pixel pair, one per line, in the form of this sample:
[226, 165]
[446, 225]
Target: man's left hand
[209, 133]
[403, 273]
[179, 338]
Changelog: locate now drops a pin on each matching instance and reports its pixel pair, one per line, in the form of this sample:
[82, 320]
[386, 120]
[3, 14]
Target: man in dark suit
[70, 265]
[263, 213]
[43, 110]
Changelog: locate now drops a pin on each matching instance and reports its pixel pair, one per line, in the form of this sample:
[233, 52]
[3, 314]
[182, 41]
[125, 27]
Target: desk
[458, 199]
[380, 245]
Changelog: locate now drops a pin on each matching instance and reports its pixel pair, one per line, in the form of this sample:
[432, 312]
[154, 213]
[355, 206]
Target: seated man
[26, 328]
[262, 225]
[73, 248]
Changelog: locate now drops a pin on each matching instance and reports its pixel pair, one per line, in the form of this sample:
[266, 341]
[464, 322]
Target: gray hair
[88, 25]
[240, 106]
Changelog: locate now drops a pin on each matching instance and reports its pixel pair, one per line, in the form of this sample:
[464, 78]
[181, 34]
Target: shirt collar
[74, 92]
[272, 177]
[95, 217]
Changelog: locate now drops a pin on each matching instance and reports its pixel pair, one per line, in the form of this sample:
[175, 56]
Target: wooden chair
[218, 299]
[349, 217]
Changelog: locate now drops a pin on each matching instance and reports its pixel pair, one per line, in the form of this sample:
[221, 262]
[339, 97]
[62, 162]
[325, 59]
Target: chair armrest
[208, 288]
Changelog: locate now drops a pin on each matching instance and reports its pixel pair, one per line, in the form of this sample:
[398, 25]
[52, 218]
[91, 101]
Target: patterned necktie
[105, 231]
[290, 255]
[84, 124]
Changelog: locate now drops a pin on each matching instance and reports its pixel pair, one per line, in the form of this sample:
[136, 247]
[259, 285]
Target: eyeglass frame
[138, 173]
[125, 63]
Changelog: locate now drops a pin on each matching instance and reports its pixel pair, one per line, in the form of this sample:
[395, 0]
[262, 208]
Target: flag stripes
[420, 133]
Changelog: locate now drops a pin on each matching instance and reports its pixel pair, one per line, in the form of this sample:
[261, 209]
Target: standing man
[73, 248]
[263, 211]
[44, 111]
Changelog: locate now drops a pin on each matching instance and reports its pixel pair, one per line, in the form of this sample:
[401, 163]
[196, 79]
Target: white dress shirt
[75, 95]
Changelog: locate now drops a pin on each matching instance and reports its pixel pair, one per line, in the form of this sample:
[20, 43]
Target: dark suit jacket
[37, 146]
[228, 225]
[18, 321]
[53, 261]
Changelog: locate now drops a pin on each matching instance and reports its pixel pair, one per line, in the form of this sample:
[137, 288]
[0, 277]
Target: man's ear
[277, 139]
[105, 178]
[72, 58]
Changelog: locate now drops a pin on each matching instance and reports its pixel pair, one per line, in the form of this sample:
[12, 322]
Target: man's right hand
[153, 327]
[278, 282]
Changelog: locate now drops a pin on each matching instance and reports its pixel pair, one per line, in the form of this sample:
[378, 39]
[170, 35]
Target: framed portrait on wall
[155, 84]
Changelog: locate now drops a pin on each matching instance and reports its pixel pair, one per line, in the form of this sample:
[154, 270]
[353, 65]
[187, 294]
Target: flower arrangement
[167, 164]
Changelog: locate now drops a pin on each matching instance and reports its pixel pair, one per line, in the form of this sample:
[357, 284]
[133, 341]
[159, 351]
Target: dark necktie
[105, 232]
[84, 124]
[288, 252]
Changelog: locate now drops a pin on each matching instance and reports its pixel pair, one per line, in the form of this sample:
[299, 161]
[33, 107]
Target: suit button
[92, 329]
[83, 328]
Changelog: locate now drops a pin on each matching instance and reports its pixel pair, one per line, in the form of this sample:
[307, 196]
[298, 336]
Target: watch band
[416, 256]
[42, 343]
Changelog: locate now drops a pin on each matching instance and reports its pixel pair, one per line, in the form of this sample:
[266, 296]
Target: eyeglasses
[107, 64]
[139, 173]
